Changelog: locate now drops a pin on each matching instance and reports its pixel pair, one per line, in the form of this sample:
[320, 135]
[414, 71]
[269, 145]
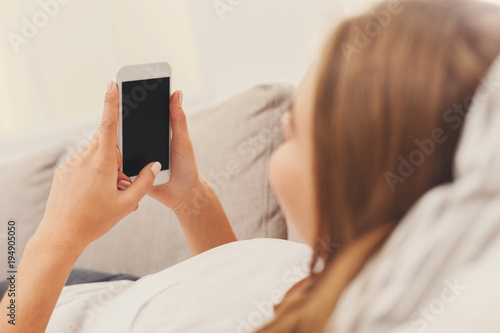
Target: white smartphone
[144, 129]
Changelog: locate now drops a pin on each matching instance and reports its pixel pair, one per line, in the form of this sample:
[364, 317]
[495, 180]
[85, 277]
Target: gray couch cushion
[233, 143]
[24, 189]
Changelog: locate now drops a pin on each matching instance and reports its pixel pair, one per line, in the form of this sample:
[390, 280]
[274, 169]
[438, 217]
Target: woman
[354, 122]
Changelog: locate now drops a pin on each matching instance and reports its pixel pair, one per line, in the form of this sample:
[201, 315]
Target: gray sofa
[233, 143]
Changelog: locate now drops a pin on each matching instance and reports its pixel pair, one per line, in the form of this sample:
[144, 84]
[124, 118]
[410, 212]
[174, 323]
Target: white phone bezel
[144, 72]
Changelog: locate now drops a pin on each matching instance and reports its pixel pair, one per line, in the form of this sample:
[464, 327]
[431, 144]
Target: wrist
[48, 240]
[195, 199]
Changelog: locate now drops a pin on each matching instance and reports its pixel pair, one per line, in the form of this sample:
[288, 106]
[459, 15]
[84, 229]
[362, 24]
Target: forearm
[203, 220]
[41, 275]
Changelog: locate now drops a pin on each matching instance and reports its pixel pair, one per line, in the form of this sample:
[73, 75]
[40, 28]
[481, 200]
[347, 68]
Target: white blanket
[231, 288]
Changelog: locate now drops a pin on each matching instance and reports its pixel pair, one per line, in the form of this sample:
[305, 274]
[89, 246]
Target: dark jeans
[79, 275]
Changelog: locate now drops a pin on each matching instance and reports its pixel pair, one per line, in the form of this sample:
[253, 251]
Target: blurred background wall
[56, 55]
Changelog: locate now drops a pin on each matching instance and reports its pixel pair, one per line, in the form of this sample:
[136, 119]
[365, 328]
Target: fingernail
[109, 86]
[124, 184]
[181, 98]
[156, 167]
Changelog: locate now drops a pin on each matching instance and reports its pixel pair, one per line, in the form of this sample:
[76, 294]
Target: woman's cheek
[288, 180]
[279, 171]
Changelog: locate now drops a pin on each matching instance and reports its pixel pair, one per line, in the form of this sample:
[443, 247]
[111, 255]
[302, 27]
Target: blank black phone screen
[145, 124]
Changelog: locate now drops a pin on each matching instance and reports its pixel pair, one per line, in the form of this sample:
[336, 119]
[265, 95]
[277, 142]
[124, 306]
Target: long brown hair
[389, 107]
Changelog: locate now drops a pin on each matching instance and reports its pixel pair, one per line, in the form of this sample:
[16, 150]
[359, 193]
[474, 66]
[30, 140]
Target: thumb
[143, 183]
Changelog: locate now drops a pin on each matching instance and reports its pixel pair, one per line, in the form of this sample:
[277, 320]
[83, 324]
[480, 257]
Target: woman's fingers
[109, 122]
[177, 115]
[123, 181]
[143, 183]
[182, 148]
[119, 157]
[105, 136]
[123, 185]
[122, 176]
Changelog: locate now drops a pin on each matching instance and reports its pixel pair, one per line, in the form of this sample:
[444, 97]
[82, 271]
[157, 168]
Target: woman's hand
[184, 175]
[193, 200]
[84, 201]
